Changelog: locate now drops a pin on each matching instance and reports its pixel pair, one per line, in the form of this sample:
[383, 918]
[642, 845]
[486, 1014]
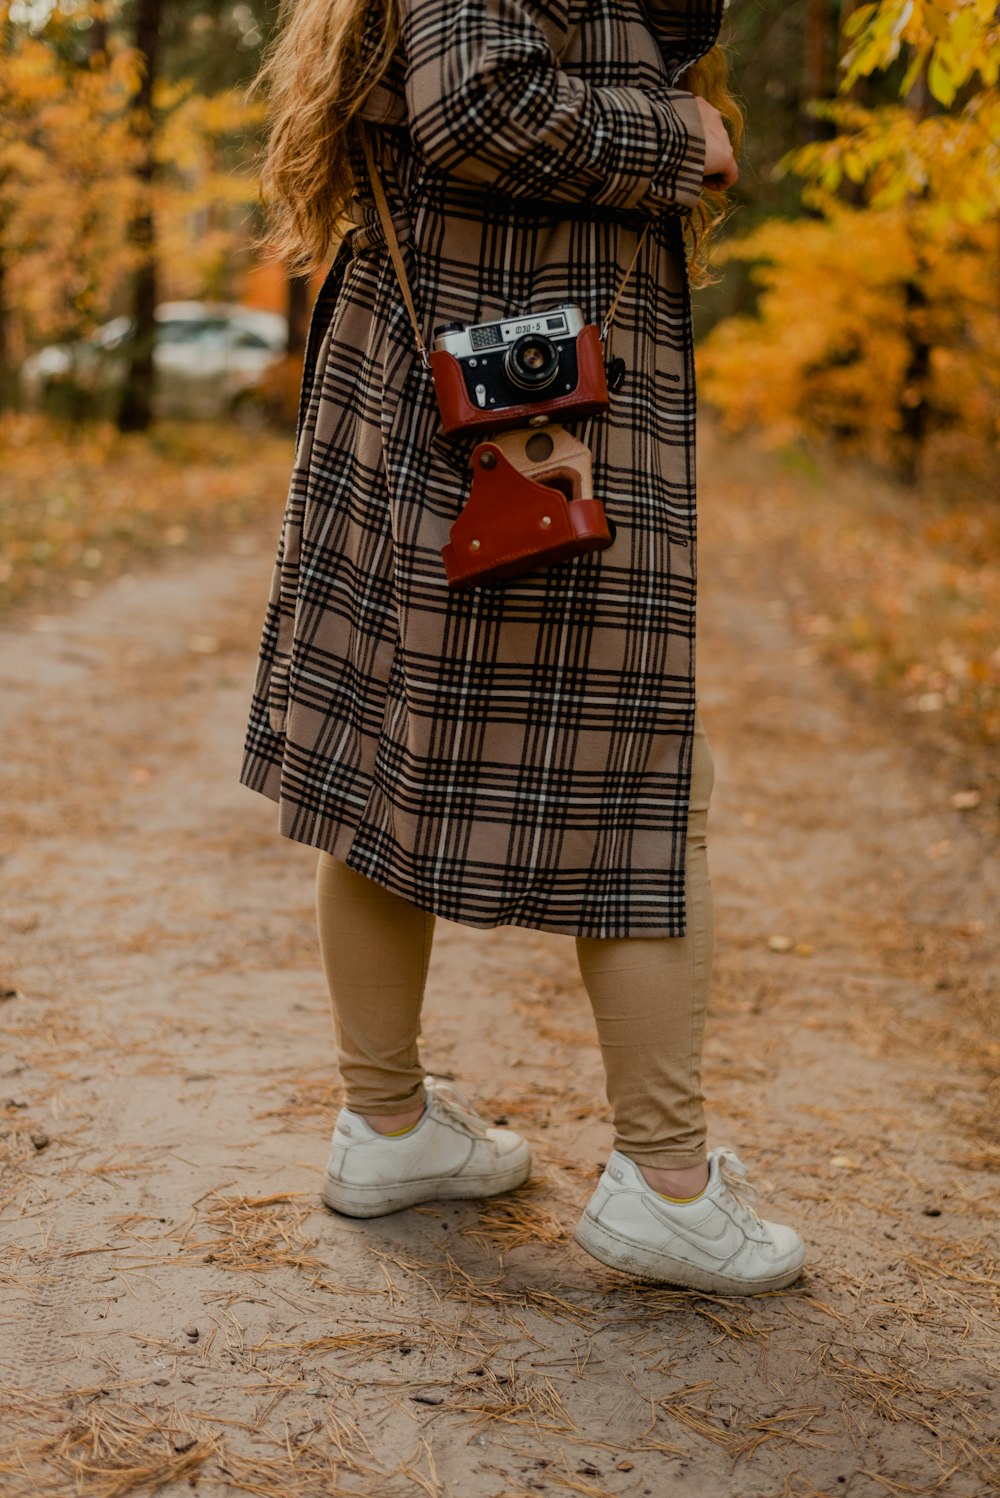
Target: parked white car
[209, 358]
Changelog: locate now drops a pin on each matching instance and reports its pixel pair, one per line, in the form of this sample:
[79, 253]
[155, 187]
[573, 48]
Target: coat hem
[343, 847]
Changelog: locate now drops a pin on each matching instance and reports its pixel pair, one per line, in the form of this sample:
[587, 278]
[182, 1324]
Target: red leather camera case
[458, 414]
[510, 525]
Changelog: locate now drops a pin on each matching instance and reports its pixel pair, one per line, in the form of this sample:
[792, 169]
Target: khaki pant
[649, 996]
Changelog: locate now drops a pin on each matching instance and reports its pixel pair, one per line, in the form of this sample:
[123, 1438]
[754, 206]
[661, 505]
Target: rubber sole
[662, 1269]
[380, 1200]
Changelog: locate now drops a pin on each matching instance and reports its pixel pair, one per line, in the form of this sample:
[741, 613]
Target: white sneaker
[451, 1152]
[716, 1242]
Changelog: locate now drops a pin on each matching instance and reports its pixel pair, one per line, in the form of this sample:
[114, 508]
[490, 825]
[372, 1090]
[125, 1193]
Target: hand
[720, 168]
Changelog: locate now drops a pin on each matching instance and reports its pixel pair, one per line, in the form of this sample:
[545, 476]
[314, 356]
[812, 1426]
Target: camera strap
[609, 319]
[392, 243]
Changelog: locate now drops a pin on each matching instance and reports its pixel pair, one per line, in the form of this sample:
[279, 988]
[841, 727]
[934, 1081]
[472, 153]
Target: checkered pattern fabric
[518, 754]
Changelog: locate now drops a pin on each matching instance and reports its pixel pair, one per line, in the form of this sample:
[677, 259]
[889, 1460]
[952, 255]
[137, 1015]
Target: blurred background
[150, 351]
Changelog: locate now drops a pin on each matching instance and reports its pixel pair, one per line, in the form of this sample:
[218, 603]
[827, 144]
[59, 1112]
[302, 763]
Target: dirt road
[177, 1308]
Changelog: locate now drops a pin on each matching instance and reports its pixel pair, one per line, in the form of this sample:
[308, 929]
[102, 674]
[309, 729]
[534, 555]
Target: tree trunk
[97, 39]
[135, 411]
[914, 410]
[8, 382]
[819, 63]
[914, 406]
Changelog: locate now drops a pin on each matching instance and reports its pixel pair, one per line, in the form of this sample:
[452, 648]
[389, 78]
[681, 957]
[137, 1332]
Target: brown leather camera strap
[609, 319]
[392, 243]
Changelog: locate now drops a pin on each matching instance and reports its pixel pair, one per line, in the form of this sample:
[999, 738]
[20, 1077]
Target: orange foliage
[68, 187]
[845, 301]
[878, 324]
[65, 159]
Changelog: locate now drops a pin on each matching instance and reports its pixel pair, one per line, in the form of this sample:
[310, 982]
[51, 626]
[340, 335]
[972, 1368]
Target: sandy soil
[179, 1311]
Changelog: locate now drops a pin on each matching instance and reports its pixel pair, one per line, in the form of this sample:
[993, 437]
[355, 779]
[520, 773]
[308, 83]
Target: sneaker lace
[457, 1105]
[734, 1177]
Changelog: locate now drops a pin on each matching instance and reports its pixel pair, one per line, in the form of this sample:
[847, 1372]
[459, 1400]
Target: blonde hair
[327, 58]
[708, 77]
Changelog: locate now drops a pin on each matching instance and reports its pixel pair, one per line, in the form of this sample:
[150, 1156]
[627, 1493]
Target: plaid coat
[517, 754]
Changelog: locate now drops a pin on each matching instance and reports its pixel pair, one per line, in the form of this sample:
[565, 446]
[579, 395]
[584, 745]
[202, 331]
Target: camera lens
[531, 363]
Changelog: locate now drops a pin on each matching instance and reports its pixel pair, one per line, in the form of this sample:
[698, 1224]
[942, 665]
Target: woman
[529, 753]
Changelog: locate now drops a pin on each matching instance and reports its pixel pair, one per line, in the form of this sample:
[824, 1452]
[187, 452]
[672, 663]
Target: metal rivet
[474, 545]
[488, 459]
[546, 519]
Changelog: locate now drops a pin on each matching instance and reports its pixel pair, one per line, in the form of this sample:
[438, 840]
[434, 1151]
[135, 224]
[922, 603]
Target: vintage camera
[518, 371]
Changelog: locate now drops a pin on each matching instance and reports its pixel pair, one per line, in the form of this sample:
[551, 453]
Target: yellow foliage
[68, 186]
[954, 40]
[64, 152]
[946, 158]
[845, 302]
[878, 324]
[951, 162]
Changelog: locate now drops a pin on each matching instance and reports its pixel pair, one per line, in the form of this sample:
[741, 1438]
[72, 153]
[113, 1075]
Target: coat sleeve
[489, 104]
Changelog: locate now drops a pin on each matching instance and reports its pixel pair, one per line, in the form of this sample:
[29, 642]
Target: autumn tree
[819, 61]
[85, 194]
[64, 154]
[877, 324]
